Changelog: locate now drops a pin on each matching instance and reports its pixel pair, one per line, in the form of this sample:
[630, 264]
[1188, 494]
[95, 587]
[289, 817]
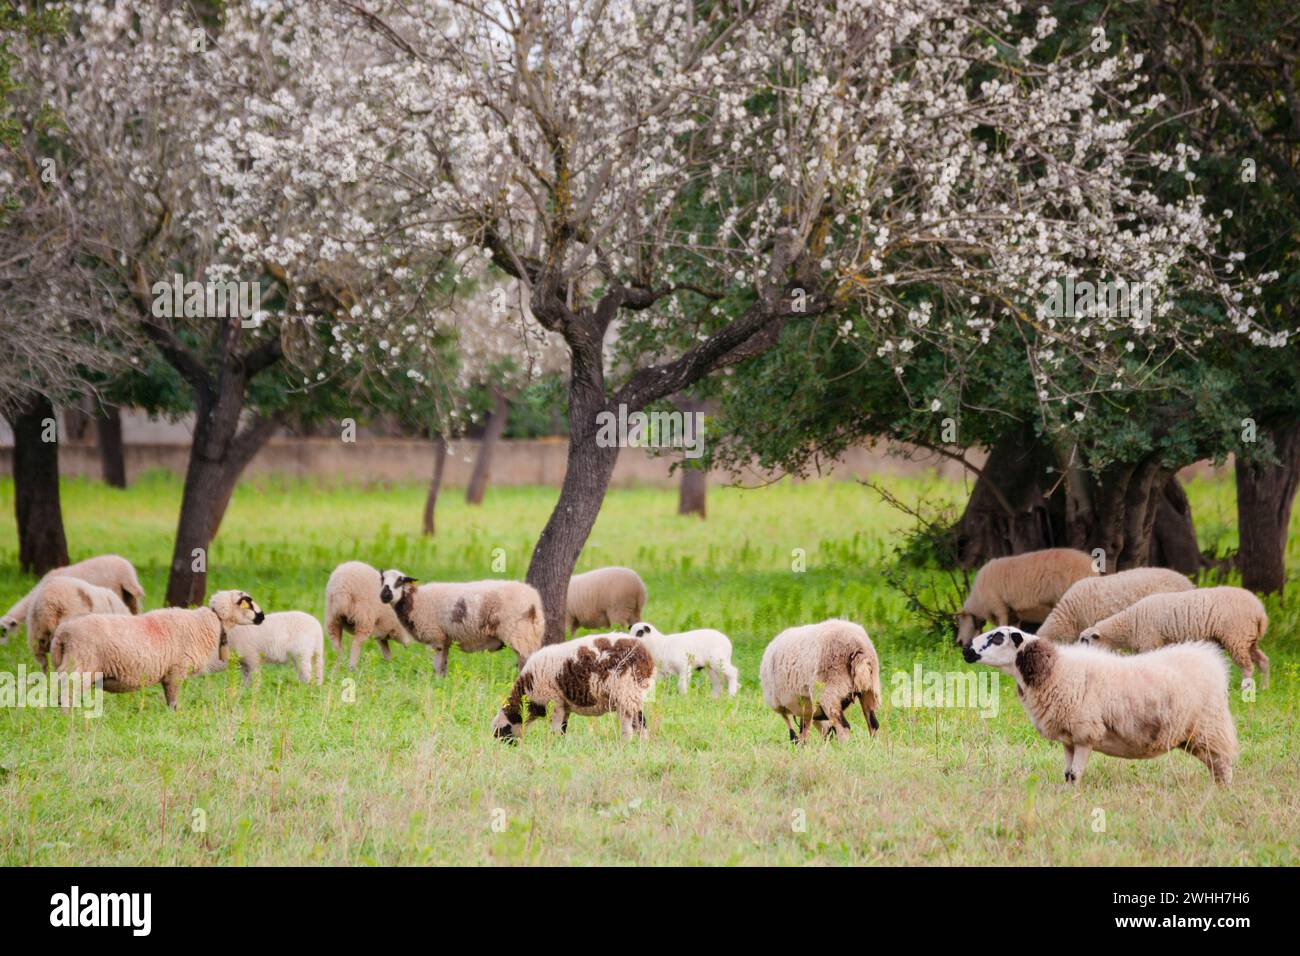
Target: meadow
[389, 765]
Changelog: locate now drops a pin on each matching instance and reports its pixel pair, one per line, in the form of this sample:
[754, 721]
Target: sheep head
[393, 584]
[643, 629]
[7, 626]
[998, 647]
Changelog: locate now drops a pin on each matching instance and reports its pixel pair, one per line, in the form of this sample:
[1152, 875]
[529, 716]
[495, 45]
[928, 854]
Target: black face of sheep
[392, 584]
[504, 729]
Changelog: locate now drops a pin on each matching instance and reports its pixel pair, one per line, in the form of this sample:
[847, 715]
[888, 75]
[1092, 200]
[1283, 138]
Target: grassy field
[407, 772]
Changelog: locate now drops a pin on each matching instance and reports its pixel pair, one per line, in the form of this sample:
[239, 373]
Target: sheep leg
[789, 725]
[642, 729]
[248, 664]
[733, 679]
[1081, 754]
[560, 719]
[1069, 762]
[1260, 658]
[385, 649]
[684, 680]
[628, 722]
[354, 656]
[171, 685]
[1219, 765]
[334, 627]
[318, 664]
[715, 679]
[440, 660]
[304, 667]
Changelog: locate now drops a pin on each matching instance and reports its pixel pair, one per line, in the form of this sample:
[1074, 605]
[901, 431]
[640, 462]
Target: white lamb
[285, 637]
[682, 654]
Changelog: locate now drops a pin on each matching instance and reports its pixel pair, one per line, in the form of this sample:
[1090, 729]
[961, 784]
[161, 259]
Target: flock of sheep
[85, 619]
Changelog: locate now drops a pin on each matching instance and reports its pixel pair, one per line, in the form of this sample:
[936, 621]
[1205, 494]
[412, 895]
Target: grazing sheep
[1022, 587]
[1231, 617]
[1134, 707]
[1092, 599]
[352, 604]
[110, 571]
[689, 651]
[164, 646]
[592, 675]
[815, 672]
[58, 598]
[475, 615]
[606, 597]
[285, 637]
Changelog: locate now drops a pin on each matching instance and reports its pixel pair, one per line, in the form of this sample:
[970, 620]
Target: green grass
[399, 768]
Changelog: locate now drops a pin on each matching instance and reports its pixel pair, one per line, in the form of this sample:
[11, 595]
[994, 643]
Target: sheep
[606, 597]
[285, 637]
[815, 672]
[475, 615]
[1134, 707]
[1024, 587]
[110, 571]
[1233, 618]
[58, 598]
[590, 675]
[164, 646]
[352, 604]
[684, 653]
[1090, 600]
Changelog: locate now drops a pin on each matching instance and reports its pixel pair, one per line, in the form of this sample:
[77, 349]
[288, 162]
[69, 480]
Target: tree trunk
[1265, 496]
[76, 423]
[492, 430]
[112, 458]
[42, 544]
[1007, 511]
[435, 484]
[693, 492]
[1175, 542]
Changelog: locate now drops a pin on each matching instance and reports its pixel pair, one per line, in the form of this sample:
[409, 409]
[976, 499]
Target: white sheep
[680, 655]
[1134, 707]
[815, 672]
[605, 597]
[1233, 618]
[285, 637]
[352, 604]
[592, 675]
[474, 615]
[1022, 588]
[110, 571]
[1092, 599]
[58, 598]
[164, 646]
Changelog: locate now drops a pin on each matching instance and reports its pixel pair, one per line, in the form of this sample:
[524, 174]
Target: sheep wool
[285, 637]
[1092, 599]
[1233, 618]
[1134, 707]
[815, 672]
[110, 571]
[352, 604]
[1022, 587]
[58, 598]
[475, 615]
[593, 675]
[680, 655]
[605, 597]
[161, 647]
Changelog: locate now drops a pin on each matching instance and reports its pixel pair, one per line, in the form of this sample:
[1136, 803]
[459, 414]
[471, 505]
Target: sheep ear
[406, 580]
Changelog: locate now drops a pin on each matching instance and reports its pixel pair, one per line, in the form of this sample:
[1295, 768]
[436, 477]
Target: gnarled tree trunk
[694, 489]
[1175, 533]
[492, 431]
[1007, 510]
[112, 458]
[42, 544]
[435, 484]
[1265, 496]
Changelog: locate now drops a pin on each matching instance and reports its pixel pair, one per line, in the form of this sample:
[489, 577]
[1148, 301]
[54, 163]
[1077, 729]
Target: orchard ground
[407, 771]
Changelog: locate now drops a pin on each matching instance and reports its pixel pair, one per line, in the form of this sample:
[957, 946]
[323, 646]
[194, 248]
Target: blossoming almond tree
[705, 175]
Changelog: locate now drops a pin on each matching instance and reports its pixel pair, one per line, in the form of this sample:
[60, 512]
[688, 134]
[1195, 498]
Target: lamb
[285, 637]
[592, 675]
[1231, 617]
[1090, 600]
[1135, 707]
[476, 615]
[683, 654]
[1022, 587]
[352, 604]
[164, 646]
[110, 571]
[815, 672]
[606, 597]
[58, 598]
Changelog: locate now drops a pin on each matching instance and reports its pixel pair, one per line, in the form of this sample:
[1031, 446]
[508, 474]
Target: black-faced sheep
[593, 675]
[57, 599]
[352, 604]
[1134, 707]
[110, 571]
[1022, 588]
[815, 672]
[475, 615]
[161, 647]
[1092, 599]
[1232, 617]
[680, 655]
[605, 597]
